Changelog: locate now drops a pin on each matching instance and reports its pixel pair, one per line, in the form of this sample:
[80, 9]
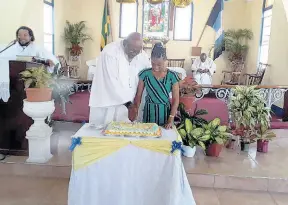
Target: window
[49, 25]
[183, 21]
[266, 30]
[155, 19]
[128, 19]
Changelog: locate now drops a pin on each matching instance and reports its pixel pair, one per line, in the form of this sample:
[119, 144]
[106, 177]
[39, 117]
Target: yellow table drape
[92, 149]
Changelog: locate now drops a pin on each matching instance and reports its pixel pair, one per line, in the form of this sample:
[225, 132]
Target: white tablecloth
[131, 176]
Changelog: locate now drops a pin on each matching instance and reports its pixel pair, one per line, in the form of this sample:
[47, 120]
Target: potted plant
[188, 90]
[75, 35]
[263, 137]
[36, 82]
[62, 89]
[190, 139]
[216, 136]
[236, 44]
[196, 117]
[185, 123]
[248, 112]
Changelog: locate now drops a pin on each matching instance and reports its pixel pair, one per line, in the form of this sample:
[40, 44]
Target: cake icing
[133, 129]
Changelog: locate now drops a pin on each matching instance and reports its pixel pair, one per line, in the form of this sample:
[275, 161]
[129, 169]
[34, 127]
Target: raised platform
[232, 170]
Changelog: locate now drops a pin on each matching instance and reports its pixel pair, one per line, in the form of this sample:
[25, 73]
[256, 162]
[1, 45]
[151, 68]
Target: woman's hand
[169, 123]
[132, 113]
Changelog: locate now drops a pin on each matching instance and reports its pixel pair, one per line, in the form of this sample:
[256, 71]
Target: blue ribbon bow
[75, 141]
[176, 146]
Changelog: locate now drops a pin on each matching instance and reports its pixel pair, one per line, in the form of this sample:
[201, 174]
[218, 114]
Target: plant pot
[214, 150]
[231, 144]
[189, 151]
[187, 101]
[245, 146]
[38, 94]
[262, 146]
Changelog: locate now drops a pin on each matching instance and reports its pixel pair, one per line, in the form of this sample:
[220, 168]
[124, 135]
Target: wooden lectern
[13, 122]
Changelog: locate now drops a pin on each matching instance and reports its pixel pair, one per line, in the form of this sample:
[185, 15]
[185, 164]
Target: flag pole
[202, 33]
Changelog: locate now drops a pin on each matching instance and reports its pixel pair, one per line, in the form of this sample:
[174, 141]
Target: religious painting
[155, 19]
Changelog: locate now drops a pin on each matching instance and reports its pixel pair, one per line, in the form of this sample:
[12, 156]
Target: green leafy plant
[75, 35]
[189, 138]
[186, 122]
[196, 117]
[62, 89]
[37, 77]
[248, 111]
[264, 134]
[236, 43]
[214, 132]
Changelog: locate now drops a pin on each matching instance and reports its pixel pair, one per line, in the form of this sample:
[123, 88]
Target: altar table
[127, 171]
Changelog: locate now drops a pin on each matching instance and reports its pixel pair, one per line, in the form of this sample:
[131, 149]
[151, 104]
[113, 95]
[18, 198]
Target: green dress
[157, 104]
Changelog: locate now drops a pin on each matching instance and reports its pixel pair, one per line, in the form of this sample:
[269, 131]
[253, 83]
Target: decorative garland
[154, 1]
[126, 1]
[181, 3]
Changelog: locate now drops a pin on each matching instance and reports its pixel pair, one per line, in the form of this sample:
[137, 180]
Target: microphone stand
[8, 46]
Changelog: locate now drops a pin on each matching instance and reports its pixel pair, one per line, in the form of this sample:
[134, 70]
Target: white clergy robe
[30, 50]
[115, 82]
[204, 78]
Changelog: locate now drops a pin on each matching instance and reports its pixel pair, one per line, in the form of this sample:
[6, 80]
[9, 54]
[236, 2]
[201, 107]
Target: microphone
[9, 45]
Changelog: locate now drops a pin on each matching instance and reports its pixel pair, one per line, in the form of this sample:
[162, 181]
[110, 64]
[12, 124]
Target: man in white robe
[24, 46]
[115, 80]
[203, 69]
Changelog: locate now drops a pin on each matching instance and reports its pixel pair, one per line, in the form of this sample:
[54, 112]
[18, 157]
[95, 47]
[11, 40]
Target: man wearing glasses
[115, 80]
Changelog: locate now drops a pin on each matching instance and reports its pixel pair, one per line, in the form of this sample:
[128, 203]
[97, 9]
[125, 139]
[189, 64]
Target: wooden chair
[66, 69]
[233, 77]
[256, 79]
[176, 63]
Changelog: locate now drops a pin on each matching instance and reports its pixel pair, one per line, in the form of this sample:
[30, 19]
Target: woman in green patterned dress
[158, 82]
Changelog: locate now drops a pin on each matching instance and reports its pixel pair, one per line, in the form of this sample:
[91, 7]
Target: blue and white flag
[215, 21]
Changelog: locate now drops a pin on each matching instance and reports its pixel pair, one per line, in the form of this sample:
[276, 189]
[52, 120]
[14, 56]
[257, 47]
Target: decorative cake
[133, 129]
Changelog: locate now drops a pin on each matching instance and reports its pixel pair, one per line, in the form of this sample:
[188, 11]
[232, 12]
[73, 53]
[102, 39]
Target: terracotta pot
[187, 101]
[262, 146]
[245, 146]
[38, 94]
[214, 150]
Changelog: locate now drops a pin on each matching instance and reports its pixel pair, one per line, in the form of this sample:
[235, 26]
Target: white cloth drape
[131, 176]
[4, 79]
[92, 65]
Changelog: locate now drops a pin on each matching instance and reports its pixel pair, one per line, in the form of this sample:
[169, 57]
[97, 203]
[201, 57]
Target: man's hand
[200, 70]
[132, 113]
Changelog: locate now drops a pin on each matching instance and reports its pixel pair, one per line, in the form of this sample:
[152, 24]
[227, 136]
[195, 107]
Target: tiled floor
[41, 191]
[237, 163]
[230, 162]
[232, 170]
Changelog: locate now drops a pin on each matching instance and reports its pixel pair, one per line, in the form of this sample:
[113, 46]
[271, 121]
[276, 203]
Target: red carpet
[78, 111]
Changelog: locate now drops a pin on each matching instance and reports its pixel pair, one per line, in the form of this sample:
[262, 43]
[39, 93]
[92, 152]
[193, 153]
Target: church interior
[251, 56]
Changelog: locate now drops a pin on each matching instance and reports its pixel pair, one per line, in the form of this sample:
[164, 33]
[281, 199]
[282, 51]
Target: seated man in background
[203, 69]
[24, 46]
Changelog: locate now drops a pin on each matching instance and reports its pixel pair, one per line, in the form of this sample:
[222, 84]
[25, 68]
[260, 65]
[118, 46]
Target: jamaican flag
[106, 26]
